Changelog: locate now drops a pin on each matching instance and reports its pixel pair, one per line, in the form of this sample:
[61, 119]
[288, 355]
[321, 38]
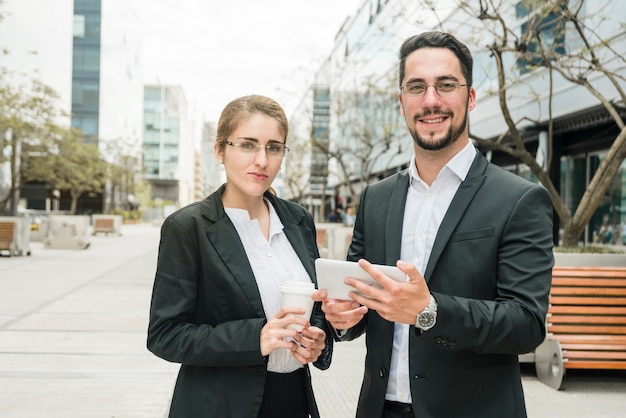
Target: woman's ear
[218, 152]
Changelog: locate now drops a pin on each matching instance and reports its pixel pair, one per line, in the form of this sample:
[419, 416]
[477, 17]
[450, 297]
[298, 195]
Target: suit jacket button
[382, 372]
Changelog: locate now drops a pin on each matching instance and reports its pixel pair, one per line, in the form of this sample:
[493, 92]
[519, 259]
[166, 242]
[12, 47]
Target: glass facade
[608, 223]
[364, 59]
[161, 134]
[86, 68]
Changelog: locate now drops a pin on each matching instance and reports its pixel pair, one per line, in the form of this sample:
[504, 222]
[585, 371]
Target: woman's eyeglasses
[273, 149]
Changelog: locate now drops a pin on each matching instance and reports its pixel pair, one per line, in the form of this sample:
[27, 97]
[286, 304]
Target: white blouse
[273, 262]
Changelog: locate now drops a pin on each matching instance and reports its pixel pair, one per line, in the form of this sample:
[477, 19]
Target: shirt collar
[276, 226]
[459, 164]
[242, 217]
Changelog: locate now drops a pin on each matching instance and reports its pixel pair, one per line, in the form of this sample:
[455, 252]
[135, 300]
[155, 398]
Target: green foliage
[29, 114]
[132, 215]
[589, 249]
[67, 163]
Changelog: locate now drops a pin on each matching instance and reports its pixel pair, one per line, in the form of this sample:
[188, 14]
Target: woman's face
[250, 171]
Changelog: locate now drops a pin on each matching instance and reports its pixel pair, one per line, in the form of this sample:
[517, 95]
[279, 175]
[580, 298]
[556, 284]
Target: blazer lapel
[395, 216]
[223, 236]
[461, 201]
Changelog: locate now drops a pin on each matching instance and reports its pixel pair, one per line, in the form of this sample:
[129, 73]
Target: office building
[361, 74]
[88, 52]
[168, 149]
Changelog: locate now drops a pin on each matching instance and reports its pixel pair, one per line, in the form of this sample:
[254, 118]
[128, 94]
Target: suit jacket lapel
[223, 236]
[461, 201]
[395, 216]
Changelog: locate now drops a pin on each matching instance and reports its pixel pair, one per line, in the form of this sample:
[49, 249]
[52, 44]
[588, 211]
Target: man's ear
[401, 104]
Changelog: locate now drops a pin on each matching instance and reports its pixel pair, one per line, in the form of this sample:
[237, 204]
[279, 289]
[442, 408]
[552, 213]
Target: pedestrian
[475, 243]
[216, 306]
[348, 217]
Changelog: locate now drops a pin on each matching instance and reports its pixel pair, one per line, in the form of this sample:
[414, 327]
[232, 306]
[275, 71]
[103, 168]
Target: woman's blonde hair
[243, 107]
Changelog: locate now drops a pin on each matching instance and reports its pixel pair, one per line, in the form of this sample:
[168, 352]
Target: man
[476, 245]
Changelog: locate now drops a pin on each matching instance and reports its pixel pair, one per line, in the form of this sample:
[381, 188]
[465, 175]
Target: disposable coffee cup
[298, 294]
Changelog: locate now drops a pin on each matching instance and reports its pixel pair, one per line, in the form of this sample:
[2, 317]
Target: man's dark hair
[437, 40]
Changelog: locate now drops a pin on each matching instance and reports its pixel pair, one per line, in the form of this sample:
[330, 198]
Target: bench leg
[549, 363]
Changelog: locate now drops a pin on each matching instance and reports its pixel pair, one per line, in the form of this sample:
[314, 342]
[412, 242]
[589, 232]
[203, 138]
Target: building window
[552, 31]
[87, 124]
[85, 94]
[79, 26]
[86, 59]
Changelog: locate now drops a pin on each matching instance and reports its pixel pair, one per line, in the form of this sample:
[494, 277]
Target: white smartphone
[330, 274]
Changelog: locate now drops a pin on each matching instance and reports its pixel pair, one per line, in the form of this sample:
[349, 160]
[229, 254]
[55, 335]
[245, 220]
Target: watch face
[426, 320]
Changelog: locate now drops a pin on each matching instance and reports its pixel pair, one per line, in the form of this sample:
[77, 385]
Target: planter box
[589, 260]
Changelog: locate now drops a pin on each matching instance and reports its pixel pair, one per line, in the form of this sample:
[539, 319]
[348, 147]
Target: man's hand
[311, 342]
[396, 301]
[342, 314]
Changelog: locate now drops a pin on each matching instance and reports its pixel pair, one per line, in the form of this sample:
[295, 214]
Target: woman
[216, 300]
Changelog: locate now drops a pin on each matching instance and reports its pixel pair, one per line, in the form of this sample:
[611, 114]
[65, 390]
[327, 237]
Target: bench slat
[587, 319]
[582, 329]
[604, 339]
[605, 365]
[594, 272]
[582, 300]
[594, 347]
[594, 355]
[589, 290]
[589, 281]
[602, 310]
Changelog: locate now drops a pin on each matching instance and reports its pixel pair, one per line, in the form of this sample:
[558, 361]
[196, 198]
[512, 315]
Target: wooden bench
[7, 237]
[320, 237]
[586, 322]
[103, 225]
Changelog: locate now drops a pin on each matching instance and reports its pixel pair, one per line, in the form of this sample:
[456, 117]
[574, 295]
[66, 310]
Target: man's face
[436, 120]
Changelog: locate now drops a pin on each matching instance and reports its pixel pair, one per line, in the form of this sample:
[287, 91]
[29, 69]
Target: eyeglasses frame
[238, 145]
[426, 86]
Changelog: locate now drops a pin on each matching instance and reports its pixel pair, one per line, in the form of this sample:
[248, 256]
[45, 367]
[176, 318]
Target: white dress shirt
[424, 210]
[273, 262]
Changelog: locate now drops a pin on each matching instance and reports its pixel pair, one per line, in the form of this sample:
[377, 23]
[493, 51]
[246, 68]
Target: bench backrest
[587, 314]
[7, 234]
[103, 223]
[321, 237]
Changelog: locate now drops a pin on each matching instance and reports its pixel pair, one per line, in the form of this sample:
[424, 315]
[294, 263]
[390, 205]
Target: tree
[367, 120]
[544, 46]
[70, 164]
[28, 116]
[298, 175]
[121, 177]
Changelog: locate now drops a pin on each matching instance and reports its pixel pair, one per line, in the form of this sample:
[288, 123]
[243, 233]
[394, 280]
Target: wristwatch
[428, 317]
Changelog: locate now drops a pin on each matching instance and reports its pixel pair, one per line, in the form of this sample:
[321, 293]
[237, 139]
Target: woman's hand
[275, 333]
[311, 343]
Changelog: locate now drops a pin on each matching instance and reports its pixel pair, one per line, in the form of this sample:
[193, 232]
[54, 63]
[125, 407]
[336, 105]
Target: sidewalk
[72, 343]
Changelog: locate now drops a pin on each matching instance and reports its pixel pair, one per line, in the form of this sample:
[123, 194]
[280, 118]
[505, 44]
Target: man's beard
[451, 137]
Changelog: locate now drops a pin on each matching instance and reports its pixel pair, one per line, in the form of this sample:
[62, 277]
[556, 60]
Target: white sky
[222, 49]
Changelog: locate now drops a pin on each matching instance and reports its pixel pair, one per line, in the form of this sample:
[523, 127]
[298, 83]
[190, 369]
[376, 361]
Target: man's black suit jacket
[490, 271]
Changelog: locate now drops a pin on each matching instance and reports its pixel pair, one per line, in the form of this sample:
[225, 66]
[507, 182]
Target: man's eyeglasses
[446, 88]
[273, 149]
